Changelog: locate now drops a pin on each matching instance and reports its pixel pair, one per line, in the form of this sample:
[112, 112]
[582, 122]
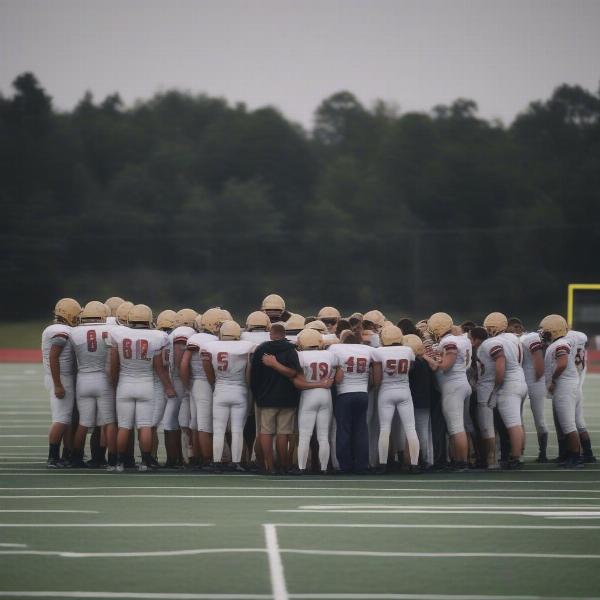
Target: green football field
[184, 536]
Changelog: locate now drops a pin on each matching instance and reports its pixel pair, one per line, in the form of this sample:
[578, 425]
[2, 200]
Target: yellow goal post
[572, 288]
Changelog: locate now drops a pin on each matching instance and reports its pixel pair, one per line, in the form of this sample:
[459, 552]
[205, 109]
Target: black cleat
[297, 472]
[55, 463]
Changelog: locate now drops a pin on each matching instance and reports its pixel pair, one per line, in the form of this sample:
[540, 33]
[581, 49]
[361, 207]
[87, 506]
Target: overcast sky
[293, 53]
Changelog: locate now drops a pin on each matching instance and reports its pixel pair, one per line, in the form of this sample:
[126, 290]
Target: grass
[315, 537]
[22, 334]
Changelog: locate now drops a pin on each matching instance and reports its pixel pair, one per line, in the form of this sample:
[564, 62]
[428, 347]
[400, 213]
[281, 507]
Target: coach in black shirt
[274, 365]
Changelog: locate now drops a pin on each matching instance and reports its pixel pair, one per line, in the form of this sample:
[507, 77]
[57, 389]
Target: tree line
[188, 200]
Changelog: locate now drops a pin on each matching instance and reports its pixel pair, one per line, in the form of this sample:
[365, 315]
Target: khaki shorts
[276, 420]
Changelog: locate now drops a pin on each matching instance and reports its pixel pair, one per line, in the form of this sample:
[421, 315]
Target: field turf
[185, 536]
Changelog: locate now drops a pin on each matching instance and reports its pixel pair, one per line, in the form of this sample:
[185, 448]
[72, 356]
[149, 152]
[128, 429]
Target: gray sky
[292, 54]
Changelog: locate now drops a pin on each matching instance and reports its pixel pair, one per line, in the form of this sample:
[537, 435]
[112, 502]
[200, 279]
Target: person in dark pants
[350, 408]
[274, 365]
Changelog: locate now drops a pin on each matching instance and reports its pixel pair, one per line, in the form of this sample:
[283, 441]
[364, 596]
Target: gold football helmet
[415, 343]
[94, 311]
[495, 323]
[258, 321]
[185, 317]
[230, 330]
[439, 324]
[123, 312]
[140, 314]
[318, 325]
[553, 327]
[113, 303]
[166, 320]
[390, 335]
[68, 310]
[309, 338]
[376, 317]
[273, 302]
[295, 322]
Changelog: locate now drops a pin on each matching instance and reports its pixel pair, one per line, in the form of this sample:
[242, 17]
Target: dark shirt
[422, 384]
[269, 388]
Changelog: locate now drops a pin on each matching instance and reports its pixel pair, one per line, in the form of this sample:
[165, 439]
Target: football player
[136, 353]
[226, 364]
[391, 364]
[351, 404]
[330, 316]
[257, 328]
[372, 322]
[274, 307]
[562, 381]
[293, 326]
[194, 376]
[59, 369]
[510, 386]
[95, 399]
[122, 313]
[183, 328]
[578, 341]
[533, 368]
[422, 389]
[113, 304]
[454, 386]
[315, 408]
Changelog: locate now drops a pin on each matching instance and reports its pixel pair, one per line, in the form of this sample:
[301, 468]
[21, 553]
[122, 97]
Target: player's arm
[114, 366]
[55, 352]
[270, 361]
[448, 358]
[208, 368]
[433, 364]
[562, 359]
[500, 369]
[377, 373]
[339, 376]
[300, 383]
[178, 351]
[163, 375]
[184, 368]
[537, 358]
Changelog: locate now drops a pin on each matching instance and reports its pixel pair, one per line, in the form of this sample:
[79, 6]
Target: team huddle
[293, 395]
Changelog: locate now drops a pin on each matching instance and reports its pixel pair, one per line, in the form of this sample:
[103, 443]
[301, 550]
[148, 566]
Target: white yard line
[90, 512]
[351, 596]
[150, 554]
[401, 511]
[441, 554]
[35, 525]
[268, 488]
[148, 595]
[275, 564]
[439, 526]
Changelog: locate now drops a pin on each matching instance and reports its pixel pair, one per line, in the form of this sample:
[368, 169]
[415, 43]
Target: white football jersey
[372, 340]
[111, 321]
[578, 341]
[354, 360]
[458, 371]
[555, 350]
[317, 364]
[229, 360]
[59, 335]
[395, 364]
[178, 335]
[530, 343]
[137, 348]
[490, 350]
[513, 353]
[196, 343]
[90, 346]
[256, 337]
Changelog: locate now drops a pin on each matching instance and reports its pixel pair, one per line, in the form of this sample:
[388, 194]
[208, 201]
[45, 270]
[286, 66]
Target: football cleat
[55, 463]
[119, 468]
